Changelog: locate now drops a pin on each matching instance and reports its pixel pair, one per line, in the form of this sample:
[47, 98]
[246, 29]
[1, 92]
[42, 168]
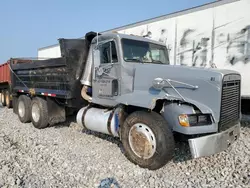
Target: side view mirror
[158, 83]
[96, 57]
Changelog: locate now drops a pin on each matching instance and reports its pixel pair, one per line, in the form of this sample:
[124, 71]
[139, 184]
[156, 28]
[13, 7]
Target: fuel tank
[106, 121]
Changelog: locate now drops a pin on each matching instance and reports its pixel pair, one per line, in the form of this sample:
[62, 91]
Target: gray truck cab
[142, 99]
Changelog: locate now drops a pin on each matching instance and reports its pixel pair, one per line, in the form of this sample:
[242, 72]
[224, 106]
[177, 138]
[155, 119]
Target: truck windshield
[140, 51]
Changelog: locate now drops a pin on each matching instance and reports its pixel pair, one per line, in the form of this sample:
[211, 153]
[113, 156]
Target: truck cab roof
[111, 35]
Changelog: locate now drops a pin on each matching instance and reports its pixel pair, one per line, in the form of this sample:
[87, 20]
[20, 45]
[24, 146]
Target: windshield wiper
[137, 60]
[157, 61]
[133, 60]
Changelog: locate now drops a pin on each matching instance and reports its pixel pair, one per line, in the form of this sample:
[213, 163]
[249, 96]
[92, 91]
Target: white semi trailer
[214, 35]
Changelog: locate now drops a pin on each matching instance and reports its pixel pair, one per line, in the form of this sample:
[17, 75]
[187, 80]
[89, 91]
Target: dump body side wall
[57, 77]
[49, 75]
[5, 79]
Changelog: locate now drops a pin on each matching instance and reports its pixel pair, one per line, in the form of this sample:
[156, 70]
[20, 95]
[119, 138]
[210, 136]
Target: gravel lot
[64, 156]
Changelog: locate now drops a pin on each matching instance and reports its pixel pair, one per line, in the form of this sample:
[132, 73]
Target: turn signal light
[183, 120]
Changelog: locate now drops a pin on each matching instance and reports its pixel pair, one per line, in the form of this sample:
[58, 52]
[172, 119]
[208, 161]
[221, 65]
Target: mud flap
[56, 112]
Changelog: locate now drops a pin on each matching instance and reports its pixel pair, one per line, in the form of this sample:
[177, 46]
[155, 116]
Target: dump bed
[56, 77]
[5, 74]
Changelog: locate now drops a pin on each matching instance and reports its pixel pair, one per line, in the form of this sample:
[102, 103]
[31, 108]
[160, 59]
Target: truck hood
[198, 86]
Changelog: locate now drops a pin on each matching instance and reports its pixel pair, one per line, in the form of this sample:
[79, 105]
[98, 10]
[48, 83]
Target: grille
[230, 102]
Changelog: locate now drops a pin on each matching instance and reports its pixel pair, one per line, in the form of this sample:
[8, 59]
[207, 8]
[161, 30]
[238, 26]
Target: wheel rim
[21, 108]
[142, 141]
[35, 112]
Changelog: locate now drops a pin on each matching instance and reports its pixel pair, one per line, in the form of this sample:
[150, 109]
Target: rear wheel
[3, 98]
[7, 99]
[39, 113]
[147, 140]
[23, 108]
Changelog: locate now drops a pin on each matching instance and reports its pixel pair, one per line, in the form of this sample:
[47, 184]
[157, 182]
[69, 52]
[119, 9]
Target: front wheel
[147, 140]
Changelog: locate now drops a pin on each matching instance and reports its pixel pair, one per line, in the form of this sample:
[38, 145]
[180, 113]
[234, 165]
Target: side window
[155, 54]
[108, 53]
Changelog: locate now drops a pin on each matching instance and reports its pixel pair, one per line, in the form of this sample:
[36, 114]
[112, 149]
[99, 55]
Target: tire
[23, 108]
[7, 99]
[160, 136]
[39, 113]
[3, 98]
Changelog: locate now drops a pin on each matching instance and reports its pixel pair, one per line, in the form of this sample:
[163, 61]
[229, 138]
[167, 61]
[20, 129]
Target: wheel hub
[35, 112]
[142, 141]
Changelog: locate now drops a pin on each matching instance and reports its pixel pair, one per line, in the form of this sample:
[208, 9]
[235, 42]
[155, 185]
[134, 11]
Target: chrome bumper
[214, 143]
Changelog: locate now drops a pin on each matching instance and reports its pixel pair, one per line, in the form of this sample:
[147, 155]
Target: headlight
[187, 120]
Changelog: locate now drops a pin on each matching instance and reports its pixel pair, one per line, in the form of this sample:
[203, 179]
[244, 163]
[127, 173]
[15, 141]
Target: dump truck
[124, 86]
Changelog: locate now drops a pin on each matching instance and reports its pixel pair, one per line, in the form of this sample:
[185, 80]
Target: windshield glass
[145, 52]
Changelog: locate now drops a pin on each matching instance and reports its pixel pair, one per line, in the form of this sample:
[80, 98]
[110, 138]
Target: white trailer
[214, 35]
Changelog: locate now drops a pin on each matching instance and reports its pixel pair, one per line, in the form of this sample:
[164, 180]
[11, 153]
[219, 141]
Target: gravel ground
[64, 156]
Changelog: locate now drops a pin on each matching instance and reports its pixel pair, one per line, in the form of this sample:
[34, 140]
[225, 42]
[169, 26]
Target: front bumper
[214, 143]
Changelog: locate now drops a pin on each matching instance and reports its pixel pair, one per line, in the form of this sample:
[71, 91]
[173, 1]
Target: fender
[148, 100]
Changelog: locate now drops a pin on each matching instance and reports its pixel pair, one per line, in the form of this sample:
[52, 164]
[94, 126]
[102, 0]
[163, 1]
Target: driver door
[106, 74]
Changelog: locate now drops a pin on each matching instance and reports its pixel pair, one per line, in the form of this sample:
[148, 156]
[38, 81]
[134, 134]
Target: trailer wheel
[3, 98]
[7, 99]
[147, 140]
[39, 113]
[23, 108]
